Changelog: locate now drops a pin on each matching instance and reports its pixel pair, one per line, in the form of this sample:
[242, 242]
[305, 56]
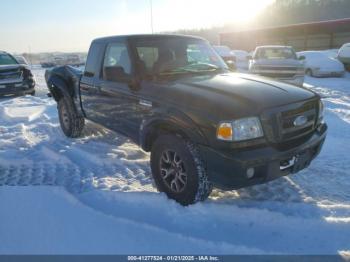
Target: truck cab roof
[142, 36]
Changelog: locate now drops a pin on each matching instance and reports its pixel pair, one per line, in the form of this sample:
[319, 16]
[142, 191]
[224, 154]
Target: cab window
[116, 62]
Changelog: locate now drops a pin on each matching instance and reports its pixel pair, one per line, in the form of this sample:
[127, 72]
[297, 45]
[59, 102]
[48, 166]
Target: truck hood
[232, 95]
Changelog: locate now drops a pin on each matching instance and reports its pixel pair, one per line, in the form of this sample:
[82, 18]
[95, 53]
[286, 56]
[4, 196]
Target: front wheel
[178, 170]
[72, 125]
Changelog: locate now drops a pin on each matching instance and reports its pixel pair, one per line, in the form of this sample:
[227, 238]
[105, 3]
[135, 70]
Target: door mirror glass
[115, 74]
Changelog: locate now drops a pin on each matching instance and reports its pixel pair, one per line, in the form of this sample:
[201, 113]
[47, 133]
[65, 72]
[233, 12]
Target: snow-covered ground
[94, 195]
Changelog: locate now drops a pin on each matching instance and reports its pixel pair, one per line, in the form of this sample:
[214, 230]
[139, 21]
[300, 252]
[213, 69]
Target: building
[307, 36]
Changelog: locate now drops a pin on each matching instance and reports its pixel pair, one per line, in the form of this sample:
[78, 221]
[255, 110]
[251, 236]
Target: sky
[70, 25]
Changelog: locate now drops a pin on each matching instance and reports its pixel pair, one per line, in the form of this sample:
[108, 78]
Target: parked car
[48, 64]
[228, 56]
[278, 62]
[204, 125]
[15, 78]
[242, 59]
[318, 64]
[344, 55]
[21, 60]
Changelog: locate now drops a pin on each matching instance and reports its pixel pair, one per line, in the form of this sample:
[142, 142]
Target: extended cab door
[118, 105]
[89, 92]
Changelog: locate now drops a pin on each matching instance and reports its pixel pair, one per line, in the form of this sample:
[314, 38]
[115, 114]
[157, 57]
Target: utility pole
[151, 4]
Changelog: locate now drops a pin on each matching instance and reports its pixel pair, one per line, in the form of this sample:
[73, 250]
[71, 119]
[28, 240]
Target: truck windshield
[176, 55]
[6, 59]
[275, 53]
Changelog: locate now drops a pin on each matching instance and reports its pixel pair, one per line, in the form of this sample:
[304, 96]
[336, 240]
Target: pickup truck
[204, 125]
[278, 62]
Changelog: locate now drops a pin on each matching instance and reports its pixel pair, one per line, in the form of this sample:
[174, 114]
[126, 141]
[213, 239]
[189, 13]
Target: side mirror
[301, 57]
[231, 65]
[249, 57]
[117, 74]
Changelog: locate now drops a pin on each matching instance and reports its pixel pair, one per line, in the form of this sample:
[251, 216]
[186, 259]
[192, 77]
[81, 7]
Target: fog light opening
[250, 172]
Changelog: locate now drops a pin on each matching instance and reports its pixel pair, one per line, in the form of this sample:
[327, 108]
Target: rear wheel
[179, 171]
[72, 125]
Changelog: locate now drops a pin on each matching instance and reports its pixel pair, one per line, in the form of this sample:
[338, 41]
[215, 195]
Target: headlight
[240, 130]
[320, 111]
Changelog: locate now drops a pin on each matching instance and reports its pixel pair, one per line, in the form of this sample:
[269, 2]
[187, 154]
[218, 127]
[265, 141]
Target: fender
[173, 121]
[61, 85]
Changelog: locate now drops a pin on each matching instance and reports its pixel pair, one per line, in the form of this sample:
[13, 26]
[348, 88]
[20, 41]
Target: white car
[242, 59]
[278, 62]
[319, 64]
[344, 54]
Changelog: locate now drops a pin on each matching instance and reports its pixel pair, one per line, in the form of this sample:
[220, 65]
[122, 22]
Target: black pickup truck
[204, 125]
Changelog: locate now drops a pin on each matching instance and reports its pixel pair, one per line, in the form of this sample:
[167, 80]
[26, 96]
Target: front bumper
[20, 88]
[228, 170]
[320, 73]
[298, 80]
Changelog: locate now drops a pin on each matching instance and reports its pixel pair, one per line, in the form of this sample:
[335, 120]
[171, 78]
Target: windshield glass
[6, 59]
[275, 53]
[176, 55]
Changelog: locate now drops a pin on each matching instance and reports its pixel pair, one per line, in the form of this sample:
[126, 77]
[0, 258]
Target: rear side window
[92, 60]
[6, 59]
[117, 55]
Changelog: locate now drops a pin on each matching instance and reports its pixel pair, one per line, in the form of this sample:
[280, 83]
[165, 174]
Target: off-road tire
[198, 186]
[72, 125]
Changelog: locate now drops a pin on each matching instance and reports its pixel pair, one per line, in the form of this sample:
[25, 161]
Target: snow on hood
[323, 59]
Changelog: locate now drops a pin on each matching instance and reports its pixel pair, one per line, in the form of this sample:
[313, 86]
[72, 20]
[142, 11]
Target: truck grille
[278, 72]
[279, 68]
[10, 75]
[280, 126]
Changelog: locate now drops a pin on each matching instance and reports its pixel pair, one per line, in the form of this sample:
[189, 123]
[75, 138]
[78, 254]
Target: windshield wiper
[189, 69]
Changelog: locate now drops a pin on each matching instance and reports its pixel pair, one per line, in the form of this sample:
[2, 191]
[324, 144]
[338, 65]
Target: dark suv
[204, 126]
[15, 78]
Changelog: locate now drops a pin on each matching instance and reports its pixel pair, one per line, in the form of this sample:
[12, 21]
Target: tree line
[282, 12]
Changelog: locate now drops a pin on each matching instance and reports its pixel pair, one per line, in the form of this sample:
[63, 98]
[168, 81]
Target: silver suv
[278, 62]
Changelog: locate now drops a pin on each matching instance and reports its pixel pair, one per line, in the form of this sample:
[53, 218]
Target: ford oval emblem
[300, 121]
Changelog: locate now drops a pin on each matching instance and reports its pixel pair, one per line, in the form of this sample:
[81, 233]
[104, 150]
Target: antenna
[151, 5]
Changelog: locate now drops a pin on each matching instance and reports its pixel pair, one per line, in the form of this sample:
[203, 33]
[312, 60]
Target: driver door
[118, 103]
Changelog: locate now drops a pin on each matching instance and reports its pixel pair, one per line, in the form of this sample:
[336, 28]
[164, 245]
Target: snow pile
[47, 220]
[94, 195]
